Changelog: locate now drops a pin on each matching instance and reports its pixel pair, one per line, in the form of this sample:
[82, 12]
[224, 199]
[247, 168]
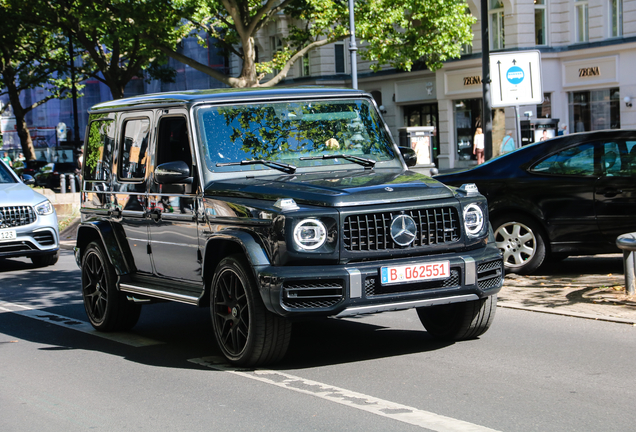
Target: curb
[567, 313]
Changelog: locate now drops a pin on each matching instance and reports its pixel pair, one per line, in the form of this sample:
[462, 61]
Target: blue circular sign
[515, 75]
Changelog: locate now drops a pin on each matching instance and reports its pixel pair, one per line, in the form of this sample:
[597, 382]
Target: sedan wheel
[522, 244]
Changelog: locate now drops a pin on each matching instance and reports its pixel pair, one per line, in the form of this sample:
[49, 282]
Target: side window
[577, 160]
[612, 159]
[173, 141]
[98, 158]
[134, 149]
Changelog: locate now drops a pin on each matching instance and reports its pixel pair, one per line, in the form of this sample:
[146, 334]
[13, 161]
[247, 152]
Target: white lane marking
[81, 326]
[395, 411]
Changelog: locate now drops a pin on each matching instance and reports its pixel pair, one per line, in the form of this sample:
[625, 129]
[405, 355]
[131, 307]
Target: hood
[15, 194]
[336, 188]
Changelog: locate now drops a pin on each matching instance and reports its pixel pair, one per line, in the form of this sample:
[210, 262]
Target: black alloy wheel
[246, 332]
[107, 308]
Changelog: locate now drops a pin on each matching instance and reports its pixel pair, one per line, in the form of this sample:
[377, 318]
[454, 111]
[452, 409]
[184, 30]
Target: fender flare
[117, 250]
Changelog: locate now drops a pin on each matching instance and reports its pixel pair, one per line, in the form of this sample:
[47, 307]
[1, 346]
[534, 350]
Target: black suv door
[172, 207]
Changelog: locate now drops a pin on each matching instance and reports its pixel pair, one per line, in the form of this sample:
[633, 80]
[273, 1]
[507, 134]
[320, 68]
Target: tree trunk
[248, 77]
[20, 122]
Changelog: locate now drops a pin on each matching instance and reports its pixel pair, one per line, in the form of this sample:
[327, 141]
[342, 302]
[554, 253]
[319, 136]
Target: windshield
[295, 133]
[5, 175]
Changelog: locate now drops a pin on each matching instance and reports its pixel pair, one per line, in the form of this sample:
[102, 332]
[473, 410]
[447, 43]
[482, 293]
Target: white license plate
[415, 272]
[8, 235]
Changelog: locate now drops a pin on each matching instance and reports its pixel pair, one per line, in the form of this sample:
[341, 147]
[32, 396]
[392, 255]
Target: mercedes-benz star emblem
[403, 230]
[388, 189]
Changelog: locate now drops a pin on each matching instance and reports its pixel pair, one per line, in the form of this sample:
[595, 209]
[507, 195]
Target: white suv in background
[28, 222]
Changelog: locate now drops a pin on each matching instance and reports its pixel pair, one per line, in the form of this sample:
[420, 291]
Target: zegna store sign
[593, 71]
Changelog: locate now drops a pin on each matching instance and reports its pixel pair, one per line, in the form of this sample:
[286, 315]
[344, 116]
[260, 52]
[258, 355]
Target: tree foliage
[394, 32]
[109, 31]
[30, 57]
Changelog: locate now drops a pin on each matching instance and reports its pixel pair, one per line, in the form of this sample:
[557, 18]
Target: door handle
[610, 193]
[115, 213]
[153, 214]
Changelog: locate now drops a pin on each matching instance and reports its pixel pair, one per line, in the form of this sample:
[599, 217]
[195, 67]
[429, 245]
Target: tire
[459, 321]
[522, 242]
[247, 333]
[45, 260]
[106, 307]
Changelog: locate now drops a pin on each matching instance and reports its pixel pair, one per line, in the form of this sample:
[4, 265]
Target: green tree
[394, 32]
[109, 31]
[30, 57]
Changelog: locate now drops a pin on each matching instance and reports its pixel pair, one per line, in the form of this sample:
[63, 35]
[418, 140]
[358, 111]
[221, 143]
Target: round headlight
[473, 219]
[310, 234]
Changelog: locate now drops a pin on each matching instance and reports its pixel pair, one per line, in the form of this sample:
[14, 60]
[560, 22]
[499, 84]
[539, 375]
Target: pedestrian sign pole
[516, 80]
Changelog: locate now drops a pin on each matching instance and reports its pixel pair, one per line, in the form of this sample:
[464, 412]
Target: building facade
[588, 57]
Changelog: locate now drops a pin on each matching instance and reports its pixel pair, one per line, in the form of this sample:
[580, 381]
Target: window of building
[594, 109]
[545, 109]
[540, 23]
[305, 66]
[581, 21]
[616, 18]
[339, 58]
[497, 25]
[275, 45]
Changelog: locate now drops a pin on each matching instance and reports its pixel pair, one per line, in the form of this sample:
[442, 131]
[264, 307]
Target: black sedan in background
[49, 175]
[571, 195]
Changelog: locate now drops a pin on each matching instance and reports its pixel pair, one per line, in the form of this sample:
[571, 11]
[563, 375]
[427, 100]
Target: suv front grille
[372, 231]
[372, 287]
[14, 216]
[312, 295]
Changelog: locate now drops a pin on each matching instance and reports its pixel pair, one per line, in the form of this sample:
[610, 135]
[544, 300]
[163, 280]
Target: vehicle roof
[223, 95]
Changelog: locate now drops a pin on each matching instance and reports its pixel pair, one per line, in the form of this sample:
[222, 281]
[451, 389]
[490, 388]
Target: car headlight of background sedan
[44, 208]
[310, 234]
[473, 220]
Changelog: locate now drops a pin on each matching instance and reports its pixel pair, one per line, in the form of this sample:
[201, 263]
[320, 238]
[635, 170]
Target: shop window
[497, 25]
[545, 109]
[616, 18]
[339, 58]
[540, 23]
[594, 109]
[581, 21]
[424, 115]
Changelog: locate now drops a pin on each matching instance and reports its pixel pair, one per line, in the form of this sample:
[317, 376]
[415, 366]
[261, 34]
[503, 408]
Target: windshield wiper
[286, 168]
[367, 163]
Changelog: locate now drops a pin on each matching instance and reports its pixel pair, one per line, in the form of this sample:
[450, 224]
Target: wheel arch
[104, 233]
[229, 243]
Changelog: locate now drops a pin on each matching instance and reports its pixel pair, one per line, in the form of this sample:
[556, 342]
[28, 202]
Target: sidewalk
[584, 287]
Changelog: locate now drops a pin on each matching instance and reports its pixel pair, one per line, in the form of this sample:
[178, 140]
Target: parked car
[269, 205]
[28, 222]
[30, 168]
[49, 175]
[570, 195]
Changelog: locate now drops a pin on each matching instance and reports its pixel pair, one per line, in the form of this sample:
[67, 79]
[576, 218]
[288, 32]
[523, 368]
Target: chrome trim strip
[352, 311]
[470, 271]
[355, 283]
[182, 298]
[173, 244]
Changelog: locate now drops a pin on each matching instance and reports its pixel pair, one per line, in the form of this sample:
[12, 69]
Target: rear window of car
[576, 160]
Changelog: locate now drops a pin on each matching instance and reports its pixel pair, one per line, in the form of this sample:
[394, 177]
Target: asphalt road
[530, 372]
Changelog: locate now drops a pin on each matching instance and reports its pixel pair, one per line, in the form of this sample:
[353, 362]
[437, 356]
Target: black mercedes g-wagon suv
[269, 205]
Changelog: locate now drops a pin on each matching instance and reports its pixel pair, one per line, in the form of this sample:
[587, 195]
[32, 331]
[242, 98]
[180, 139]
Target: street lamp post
[353, 48]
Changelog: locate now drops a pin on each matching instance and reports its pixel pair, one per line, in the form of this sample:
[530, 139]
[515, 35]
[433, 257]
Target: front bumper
[354, 289]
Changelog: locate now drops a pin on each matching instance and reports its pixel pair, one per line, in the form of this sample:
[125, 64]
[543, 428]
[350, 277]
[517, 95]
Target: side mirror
[27, 179]
[409, 155]
[177, 172]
